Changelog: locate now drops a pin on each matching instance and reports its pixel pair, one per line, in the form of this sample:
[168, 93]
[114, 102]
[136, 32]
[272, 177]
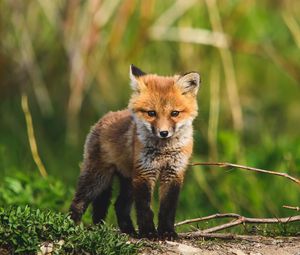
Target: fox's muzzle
[162, 133]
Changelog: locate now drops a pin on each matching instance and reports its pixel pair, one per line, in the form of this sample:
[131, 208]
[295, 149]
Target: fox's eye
[174, 113]
[151, 113]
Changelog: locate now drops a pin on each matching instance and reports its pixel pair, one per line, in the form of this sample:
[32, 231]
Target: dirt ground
[247, 245]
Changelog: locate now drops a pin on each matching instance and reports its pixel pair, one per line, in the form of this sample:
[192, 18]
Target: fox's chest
[156, 161]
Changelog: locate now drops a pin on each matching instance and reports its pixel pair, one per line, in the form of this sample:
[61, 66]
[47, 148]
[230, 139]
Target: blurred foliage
[72, 58]
[24, 189]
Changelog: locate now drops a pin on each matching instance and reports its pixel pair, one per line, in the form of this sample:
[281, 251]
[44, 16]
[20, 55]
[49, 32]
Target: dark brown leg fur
[123, 205]
[100, 205]
[169, 193]
[142, 190]
[92, 187]
[94, 183]
[77, 208]
[81, 200]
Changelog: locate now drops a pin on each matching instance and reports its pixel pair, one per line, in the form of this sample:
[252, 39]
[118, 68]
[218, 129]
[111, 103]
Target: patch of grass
[23, 230]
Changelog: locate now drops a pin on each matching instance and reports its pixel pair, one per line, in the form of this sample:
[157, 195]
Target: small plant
[23, 230]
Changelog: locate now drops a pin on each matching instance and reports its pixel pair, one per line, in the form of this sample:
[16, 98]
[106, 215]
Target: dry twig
[239, 220]
[207, 233]
[214, 216]
[31, 138]
[244, 220]
[296, 208]
[225, 164]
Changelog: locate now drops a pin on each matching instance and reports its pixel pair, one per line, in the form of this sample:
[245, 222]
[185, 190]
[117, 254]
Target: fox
[150, 141]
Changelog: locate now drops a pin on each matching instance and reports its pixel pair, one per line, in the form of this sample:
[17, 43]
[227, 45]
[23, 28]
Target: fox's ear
[134, 74]
[189, 83]
[135, 71]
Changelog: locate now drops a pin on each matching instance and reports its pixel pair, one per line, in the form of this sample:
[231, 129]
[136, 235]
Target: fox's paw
[169, 235]
[75, 216]
[128, 229]
[130, 232]
[151, 235]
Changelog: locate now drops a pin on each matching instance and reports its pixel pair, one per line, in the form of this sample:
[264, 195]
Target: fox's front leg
[169, 193]
[142, 190]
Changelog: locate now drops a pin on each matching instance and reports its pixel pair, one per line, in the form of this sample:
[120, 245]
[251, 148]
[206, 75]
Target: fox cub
[152, 139]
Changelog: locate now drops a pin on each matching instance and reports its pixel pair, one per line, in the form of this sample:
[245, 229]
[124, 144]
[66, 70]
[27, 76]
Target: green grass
[23, 230]
[265, 62]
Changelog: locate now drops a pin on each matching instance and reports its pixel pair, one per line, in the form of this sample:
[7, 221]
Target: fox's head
[163, 105]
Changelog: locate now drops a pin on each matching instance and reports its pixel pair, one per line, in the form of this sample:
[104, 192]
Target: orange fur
[143, 143]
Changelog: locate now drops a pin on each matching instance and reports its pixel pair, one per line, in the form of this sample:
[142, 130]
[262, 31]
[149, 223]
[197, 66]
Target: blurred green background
[71, 59]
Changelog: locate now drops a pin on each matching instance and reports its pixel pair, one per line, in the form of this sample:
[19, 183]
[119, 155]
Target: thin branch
[231, 224]
[296, 208]
[240, 220]
[253, 169]
[31, 138]
[214, 216]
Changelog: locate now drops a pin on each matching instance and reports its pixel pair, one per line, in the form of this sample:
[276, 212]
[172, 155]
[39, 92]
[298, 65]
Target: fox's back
[115, 138]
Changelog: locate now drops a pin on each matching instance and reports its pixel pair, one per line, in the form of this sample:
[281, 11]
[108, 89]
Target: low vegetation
[24, 230]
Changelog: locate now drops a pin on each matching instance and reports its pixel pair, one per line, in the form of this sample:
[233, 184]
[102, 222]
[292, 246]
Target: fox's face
[163, 105]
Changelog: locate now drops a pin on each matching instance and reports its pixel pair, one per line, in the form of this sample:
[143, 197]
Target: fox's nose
[163, 134]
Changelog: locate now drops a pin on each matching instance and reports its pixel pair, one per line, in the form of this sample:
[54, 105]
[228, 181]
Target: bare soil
[247, 245]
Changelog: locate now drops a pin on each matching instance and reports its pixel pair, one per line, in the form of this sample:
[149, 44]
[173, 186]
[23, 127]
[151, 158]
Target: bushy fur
[130, 144]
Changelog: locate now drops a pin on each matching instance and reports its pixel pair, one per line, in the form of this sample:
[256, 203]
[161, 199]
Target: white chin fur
[182, 124]
[147, 126]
